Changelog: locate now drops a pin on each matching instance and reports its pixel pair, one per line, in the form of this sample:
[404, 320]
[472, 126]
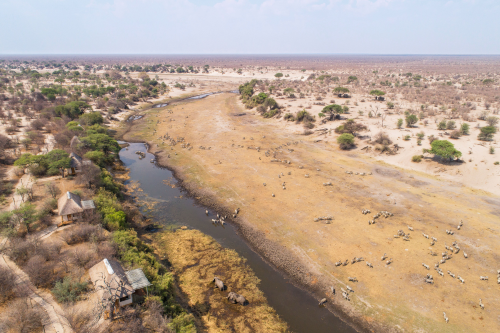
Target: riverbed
[166, 203]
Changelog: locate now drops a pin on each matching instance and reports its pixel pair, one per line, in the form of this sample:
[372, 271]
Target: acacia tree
[333, 111]
[26, 214]
[444, 149]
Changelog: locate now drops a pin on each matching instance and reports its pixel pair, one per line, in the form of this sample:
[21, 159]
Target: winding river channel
[169, 205]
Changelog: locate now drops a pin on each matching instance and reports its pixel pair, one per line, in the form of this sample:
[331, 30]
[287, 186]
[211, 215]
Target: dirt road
[236, 159]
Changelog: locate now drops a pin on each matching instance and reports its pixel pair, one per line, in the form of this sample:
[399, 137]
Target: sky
[249, 27]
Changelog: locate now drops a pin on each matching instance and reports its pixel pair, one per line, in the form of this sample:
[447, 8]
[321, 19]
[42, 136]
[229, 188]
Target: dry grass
[196, 259]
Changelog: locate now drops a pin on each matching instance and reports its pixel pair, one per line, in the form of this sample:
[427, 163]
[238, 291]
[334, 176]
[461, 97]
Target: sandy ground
[393, 295]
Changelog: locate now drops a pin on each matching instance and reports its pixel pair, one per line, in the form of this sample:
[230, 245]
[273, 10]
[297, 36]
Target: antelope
[465, 255]
[432, 243]
[338, 263]
[461, 280]
[432, 253]
[426, 266]
[346, 262]
[426, 236]
[264, 184]
[332, 290]
[429, 281]
[354, 260]
[350, 289]
[483, 278]
[410, 228]
[434, 239]
[388, 262]
[384, 256]
[353, 279]
[369, 265]
[206, 212]
[481, 304]
[406, 238]
[451, 274]
[323, 301]
[441, 273]
[445, 318]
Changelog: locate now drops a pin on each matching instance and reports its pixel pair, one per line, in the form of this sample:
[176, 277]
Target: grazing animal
[236, 298]
[426, 236]
[426, 266]
[206, 212]
[346, 262]
[461, 280]
[353, 279]
[483, 278]
[445, 318]
[465, 255]
[384, 256]
[441, 273]
[410, 228]
[322, 301]
[350, 289]
[481, 304]
[369, 265]
[388, 262]
[218, 283]
[333, 290]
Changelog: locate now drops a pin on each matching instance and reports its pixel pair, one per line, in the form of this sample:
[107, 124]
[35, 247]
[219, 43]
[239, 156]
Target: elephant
[218, 283]
[236, 298]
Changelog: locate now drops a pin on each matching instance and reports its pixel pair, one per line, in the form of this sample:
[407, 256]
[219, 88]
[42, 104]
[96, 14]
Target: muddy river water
[170, 206]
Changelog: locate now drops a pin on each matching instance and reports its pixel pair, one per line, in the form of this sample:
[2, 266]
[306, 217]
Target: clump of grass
[196, 258]
[416, 158]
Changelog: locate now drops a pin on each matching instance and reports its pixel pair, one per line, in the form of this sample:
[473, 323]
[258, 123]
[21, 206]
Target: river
[173, 208]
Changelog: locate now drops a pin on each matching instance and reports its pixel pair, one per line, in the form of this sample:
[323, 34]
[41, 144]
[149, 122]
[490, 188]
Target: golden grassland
[392, 295]
[196, 258]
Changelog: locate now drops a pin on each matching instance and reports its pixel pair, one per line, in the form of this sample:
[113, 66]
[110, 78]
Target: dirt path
[223, 167]
[57, 322]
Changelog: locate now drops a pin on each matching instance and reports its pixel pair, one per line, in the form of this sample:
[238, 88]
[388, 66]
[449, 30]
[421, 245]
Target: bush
[492, 150]
[289, 117]
[278, 75]
[68, 290]
[41, 273]
[400, 123]
[22, 317]
[416, 158]
[346, 141]
[411, 120]
[304, 116]
[445, 149]
[350, 126]
[442, 125]
[455, 134]
[492, 121]
[115, 221]
[7, 284]
[80, 233]
[487, 133]
[420, 135]
[450, 125]
[464, 129]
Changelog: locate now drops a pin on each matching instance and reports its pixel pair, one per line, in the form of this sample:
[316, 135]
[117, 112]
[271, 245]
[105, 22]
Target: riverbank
[282, 228]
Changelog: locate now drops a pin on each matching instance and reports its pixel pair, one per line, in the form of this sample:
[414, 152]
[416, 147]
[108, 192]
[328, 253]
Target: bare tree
[52, 189]
[89, 176]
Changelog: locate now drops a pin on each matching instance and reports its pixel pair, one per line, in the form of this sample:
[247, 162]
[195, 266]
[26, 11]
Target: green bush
[444, 148]
[115, 221]
[91, 118]
[464, 129]
[68, 290]
[278, 75]
[487, 133]
[304, 116]
[400, 123]
[289, 117]
[416, 158]
[450, 125]
[442, 125]
[345, 141]
[407, 138]
[411, 120]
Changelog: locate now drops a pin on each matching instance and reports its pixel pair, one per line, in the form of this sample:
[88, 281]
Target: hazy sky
[249, 26]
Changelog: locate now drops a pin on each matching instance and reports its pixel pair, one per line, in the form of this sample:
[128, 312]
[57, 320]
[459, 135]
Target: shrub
[464, 129]
[80, 233]
[304, 116]
[278, 75]
[390, 105]
[411, 120]
[492, 121]
[487, 133]
[442, 125]
[289, 117]
[450, 125]
[22, 317]
[350, 126]
[400, 123]
[419, 142]
[420, 135]
[7, 284]
[382, 138]
[455, 134]
[416, 158]
[432, 138]
[407, 137]
[445, 149]
[41, 273]
[345, 141]
[68, 290]
[496, 163]
[115, 221]
[492, 150]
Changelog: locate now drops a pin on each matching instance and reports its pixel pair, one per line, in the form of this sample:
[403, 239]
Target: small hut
[76, 164]
[70, 207]
[116, 287]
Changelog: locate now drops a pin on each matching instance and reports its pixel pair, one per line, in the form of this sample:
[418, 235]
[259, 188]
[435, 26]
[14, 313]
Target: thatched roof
[76, 161]
[74, 142]
[69, 203]
[110, 279]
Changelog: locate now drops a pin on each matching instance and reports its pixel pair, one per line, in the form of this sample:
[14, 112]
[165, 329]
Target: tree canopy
[444, 149]
[341, 90]
[377, 92]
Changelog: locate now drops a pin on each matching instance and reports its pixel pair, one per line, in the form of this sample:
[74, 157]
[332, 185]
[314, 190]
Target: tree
[400, 123]
[333, 111]
[443, 148]
[487, 133]
[89, 176]
[411, 120]
[289, 91]
[492, 121]
[351, 127]
[57, 159]
[91, 118]
[377, 92]
[351, 78]
[52, 190]
[278, 75]
[26, 215]
[345, 141]
[340, 90]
